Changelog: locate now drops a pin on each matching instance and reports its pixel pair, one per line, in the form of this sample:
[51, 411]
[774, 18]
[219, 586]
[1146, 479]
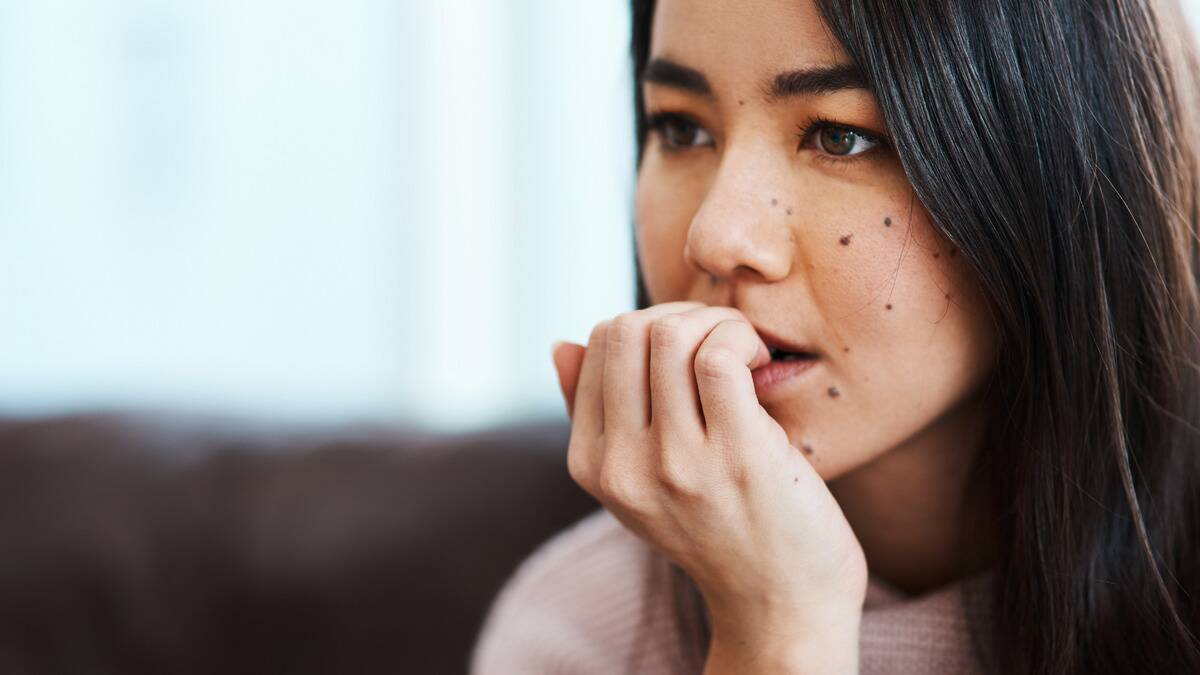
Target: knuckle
[668, 331]
[734, 324]
[618, 486]
[623, 331]
[678, 477]
[715, 362]
[599, 331]
[579, 469]
[738, 474]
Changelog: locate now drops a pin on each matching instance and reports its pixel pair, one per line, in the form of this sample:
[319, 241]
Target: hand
[667, 433]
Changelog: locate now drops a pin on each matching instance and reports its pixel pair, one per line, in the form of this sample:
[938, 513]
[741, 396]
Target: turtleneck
[595, 599]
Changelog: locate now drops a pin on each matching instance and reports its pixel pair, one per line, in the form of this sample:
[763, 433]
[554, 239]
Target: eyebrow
[819, 80]
[816, 80]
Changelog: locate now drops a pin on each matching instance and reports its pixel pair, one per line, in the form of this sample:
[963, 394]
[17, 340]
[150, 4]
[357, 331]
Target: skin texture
[831, 252]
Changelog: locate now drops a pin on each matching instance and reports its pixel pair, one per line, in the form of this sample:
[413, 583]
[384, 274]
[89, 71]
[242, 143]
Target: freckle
[834, 393]
[808, 449]
[796, 479]
[789, 211]
[741, 102]
[774, 202]
[845, 240]
[846, 349]
[887, 221]
[936, 254]
[889, 306]
[947, 296]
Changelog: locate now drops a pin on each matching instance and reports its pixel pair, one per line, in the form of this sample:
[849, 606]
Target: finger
[724, 360]
[675, 406]
[627, 367]
[588, 416]
[585, 451]
[568, 359]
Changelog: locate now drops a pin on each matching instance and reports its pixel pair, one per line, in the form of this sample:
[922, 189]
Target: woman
[912, 386]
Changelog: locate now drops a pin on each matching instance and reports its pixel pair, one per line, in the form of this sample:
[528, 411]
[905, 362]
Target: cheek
[906, 329]
[662, 215]
[885, 279]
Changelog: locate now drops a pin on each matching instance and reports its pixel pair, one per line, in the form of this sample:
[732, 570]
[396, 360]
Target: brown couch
[154, 544]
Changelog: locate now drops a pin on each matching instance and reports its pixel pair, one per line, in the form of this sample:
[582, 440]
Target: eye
[840, 142]
[834, 140]
[679, 132]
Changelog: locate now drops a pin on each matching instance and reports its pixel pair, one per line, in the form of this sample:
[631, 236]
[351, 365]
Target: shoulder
[576, 605]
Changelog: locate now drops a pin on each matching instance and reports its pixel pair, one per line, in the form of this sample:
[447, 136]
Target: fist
[668, 434]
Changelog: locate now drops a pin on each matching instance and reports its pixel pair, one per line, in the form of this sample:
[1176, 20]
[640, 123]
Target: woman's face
[767, 184]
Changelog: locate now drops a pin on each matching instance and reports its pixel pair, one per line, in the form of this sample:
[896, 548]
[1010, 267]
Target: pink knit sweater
[577, 607]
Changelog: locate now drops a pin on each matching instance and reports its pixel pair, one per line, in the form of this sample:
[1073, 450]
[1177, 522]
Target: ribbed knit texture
[587, 602]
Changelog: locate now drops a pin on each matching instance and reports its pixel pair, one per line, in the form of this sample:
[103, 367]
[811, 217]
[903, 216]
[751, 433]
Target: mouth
[779, 354]
[785, 371]
[785, 350]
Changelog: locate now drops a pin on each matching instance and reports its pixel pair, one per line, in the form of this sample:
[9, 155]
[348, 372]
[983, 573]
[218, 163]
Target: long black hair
[1055, 145]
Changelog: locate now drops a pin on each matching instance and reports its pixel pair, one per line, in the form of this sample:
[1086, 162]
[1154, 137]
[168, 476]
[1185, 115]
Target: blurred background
[309, 211]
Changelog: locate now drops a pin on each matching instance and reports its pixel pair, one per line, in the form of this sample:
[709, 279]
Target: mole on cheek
[741, 102]
[774, 202]
[845, 240]
[847, 349]
[887, 221]
[889, 306]
[936, 254]
[808, 449]
[834, 393]
[789, 211]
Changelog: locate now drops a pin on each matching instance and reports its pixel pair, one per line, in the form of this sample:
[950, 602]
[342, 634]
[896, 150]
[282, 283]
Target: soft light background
[312, 211]
[306, 210]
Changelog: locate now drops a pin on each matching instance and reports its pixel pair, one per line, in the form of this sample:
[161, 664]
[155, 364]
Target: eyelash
[816, 125]
[657, 122]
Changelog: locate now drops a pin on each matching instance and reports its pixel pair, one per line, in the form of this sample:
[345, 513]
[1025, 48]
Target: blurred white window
[312, 210]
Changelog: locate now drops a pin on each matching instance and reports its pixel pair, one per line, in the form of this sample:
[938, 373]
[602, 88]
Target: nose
[741, 229]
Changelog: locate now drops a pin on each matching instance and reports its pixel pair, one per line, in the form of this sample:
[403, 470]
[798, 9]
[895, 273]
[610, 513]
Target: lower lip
[773, 376]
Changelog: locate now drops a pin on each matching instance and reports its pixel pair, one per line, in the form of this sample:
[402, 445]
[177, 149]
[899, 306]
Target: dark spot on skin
[808, 450]
[889, 306]
[741, 102]
[834, 393]
[846, 349]
[789, 212]
[845, 240]
[947, 296]
[774, 202]
[796, 479]
[936, 254]
[887, 221]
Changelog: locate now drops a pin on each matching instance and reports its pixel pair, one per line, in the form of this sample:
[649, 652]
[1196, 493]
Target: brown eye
[837, 141]
[678, 132]
[681, 133]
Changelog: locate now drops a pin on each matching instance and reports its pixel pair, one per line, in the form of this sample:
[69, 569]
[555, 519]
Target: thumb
[568, 360]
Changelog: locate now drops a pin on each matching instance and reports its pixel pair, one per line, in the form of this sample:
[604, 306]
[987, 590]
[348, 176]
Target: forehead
[730, 40]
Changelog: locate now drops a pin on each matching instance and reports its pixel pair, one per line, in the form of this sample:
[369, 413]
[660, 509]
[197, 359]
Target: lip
[773, 340]
[776, 375]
